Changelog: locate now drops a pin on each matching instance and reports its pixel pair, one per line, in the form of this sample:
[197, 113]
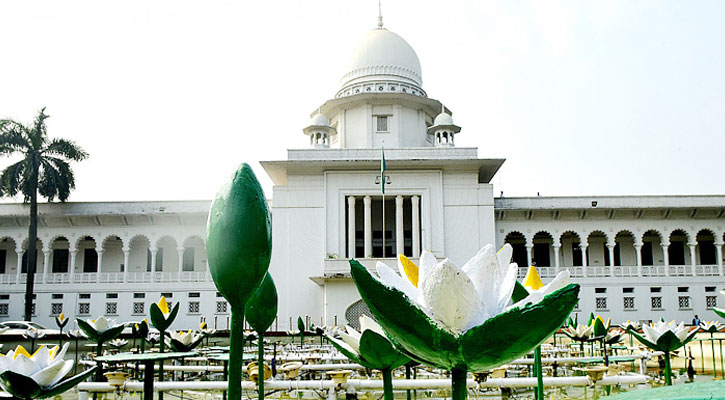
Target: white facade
[117, 258]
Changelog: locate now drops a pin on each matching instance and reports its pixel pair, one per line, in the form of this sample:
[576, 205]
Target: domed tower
[443, 130]
[319, 132]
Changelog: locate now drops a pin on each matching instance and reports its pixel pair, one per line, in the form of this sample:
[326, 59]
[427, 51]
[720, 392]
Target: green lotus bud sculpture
[260, 311]
[371, 348]
[460, 318]
[301, 328]
[666, 337]
[40, 375]
[239, 247]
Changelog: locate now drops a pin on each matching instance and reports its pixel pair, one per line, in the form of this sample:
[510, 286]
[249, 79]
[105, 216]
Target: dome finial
[380, 16]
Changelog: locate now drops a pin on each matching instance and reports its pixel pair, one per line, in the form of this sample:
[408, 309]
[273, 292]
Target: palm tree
[44, 169]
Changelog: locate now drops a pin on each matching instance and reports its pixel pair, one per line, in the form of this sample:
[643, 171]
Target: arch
[571, 252]
[624, 251]
[597, 252]
[517, 240]
[39, 259]
[167, 254]
[652, 253]
[87, 258]
[59, 254]
[85, 238]
[677, 250]
[8, 255]
[113, 258]
[705, 253]
[139, 258]
[542, 255]
[194, 254]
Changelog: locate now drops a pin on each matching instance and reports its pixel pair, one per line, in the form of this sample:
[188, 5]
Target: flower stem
[668, 369]
[714, 367]
[539, 374]
[236, 350]
[162, 347]
[459, 383]
[260, 365]
[387, 384]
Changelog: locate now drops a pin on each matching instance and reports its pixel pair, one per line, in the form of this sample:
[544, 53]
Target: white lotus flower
[101, 324]
[581, 333]
[630, 325]
[185, 338]
[32, 333]
[46, 366]
[118, 343]
[653, 331]
[461, 298]
[710, 326]
[352, 337]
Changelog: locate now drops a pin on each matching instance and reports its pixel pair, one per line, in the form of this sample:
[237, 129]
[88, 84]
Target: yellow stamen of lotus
[533, 280]
[163, 305]
[411, 270]
[188, 332]
[53, 352]
[202, 325]
[61, 317]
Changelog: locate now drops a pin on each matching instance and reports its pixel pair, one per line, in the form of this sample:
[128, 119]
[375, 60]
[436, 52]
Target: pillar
[399, 229]
[584, 259]
[46, 264]
[718, 252]
[610, 247]
[351, 227]
[638, 252]
[181, 262]
[126, 257]
[368, 234]
[415, 200]
[100, 264]
[557, 267]
[72, 266]
[529, 248]
[666, 258]
[19, 251]
[693, 258]
[153, 263]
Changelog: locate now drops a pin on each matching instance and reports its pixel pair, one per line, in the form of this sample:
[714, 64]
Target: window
[4, 309]
[684, 302]
[600, 290]
[60, 260]
[168, 296]
[194, 294]
[138, 308]
[221, 307]
[376, 240]
[629, 303]
[219, 294]
[111, 295]
[32, 309]
[57, 296]
[4, 297]
[159, 260]
[655, 289]
[683, 289]
[710, 301]
[90, 260]
[139, 295]
[84, 295]
[84, 308]
[601, 303]
[628, 290]
[3, 257]
[381, 123]
[112, 308]
[194, 307]
[188, 262]
[710, 288]
[656, 302]
[56, 308]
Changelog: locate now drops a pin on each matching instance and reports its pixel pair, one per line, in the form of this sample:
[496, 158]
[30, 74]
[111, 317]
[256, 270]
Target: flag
[382, 169]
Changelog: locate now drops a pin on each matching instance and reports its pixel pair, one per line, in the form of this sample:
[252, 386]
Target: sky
[169, 97]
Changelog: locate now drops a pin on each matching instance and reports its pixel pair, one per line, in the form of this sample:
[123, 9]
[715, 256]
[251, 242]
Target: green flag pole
[382, 186]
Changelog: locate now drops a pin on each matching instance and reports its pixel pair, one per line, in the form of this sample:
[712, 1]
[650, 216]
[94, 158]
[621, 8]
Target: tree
[44, 169]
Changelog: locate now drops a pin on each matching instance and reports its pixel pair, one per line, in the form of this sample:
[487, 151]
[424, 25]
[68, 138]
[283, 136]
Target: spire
[380, 16]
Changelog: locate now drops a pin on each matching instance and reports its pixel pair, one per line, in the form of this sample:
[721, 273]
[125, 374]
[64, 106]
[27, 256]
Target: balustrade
[84, 277]
[139, 277]
[58, 277]
[680, 270]
[707, 270]
[111, 277]
[7, 278]
[625, 271]
[193, 276]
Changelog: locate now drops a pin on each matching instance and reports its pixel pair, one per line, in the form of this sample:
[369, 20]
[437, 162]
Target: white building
[636, 257]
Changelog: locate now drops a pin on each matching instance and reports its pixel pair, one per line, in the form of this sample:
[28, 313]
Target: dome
[383, 55]
[443, 119]
[319, 120]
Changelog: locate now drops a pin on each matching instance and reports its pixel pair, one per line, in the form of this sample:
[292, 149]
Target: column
[72, 266]
[153, 263]
[399, 230]
[610, 247]
[556, 248]
[100, 264]
[351, 227]
[415, 200]
[529, 248]
[584, 259]
[367, 202]
[181, 262]
[46, 264]
[666, 258]
[19, 251]
[126, 257]
[693, 257]
[638, 252]
[718, 252]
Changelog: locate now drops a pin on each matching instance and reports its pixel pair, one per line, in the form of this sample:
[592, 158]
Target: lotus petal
[390, 278]
[367, 323]
[425, 264]
[52, 373]
[378, 353]
[451, 297]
